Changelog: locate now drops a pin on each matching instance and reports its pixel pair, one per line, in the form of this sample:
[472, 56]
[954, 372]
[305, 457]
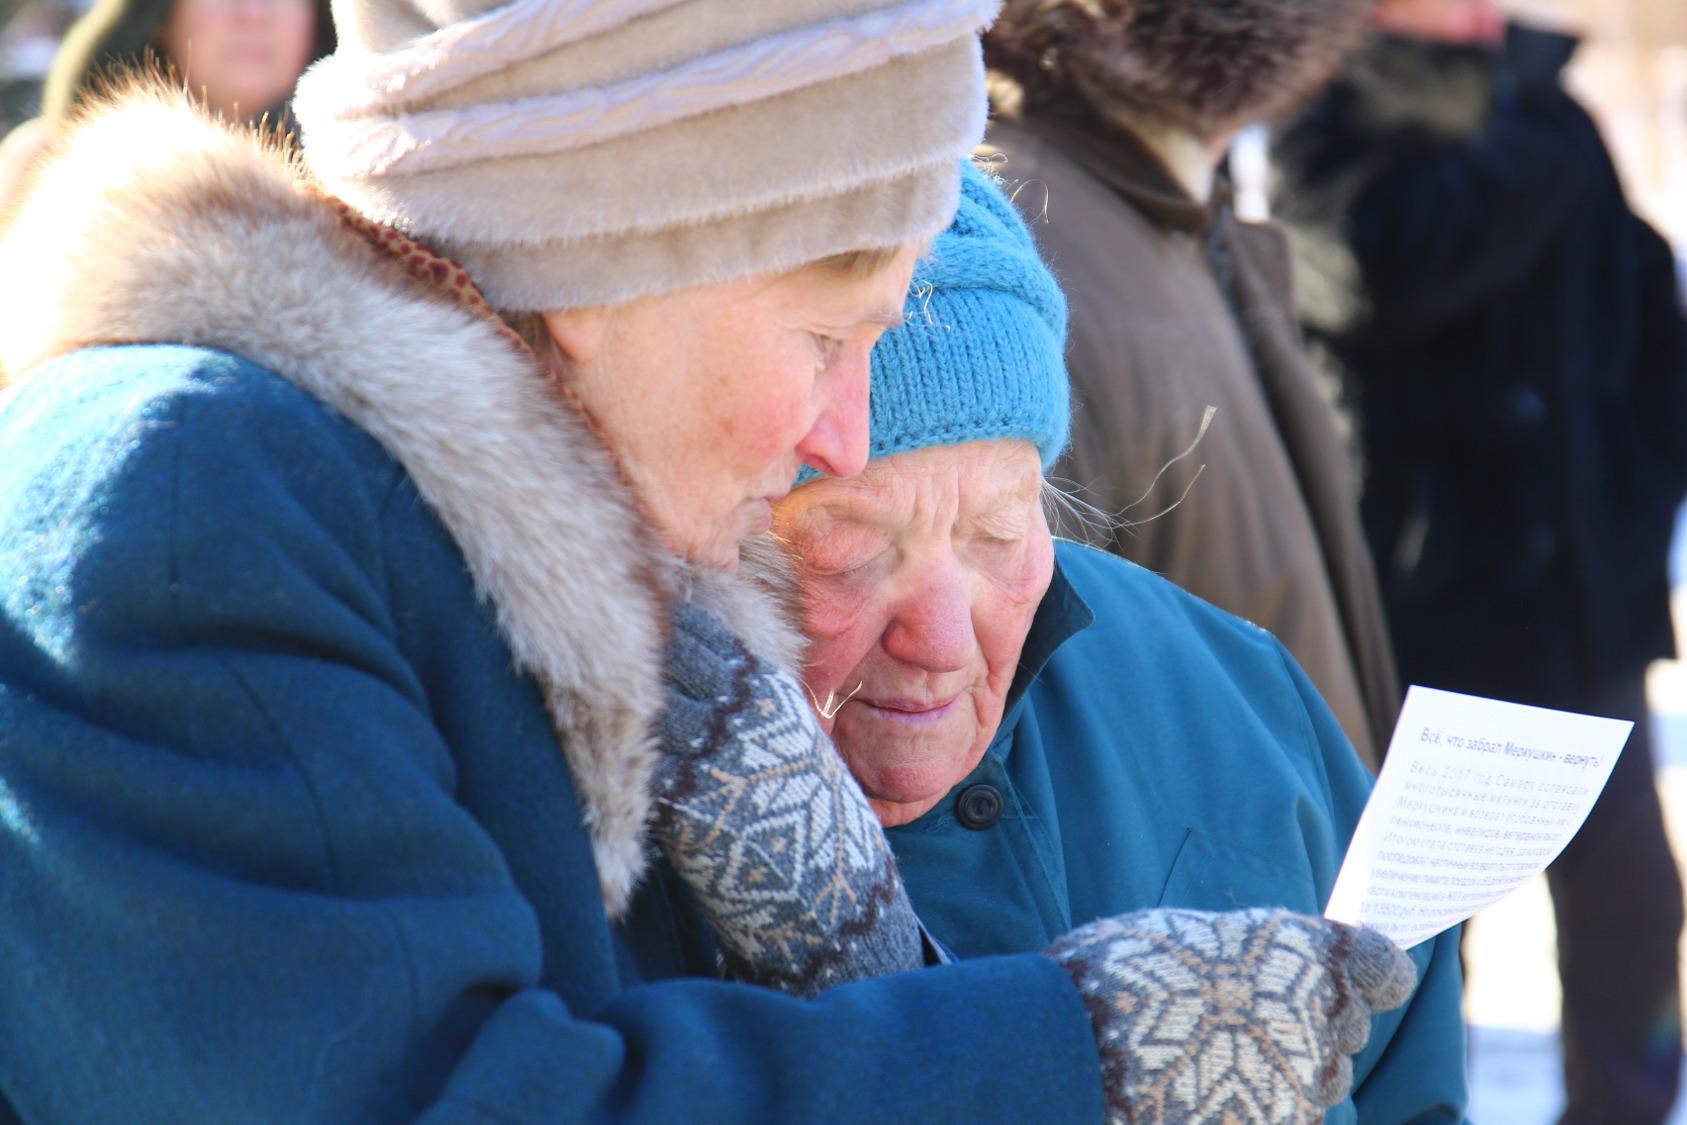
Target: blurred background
[29, 34]
[1632, 73]
[1511, 998]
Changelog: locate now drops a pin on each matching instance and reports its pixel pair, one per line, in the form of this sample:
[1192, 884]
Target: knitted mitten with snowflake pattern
[757, 813]
[1240, 1017]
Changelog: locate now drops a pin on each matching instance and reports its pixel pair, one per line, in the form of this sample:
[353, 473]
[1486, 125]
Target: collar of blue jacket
[1062, 615]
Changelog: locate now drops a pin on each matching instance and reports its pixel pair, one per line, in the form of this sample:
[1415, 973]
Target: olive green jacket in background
[1269, 529]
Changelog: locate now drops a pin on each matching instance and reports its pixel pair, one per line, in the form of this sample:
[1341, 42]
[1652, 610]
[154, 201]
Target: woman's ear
[578, 332]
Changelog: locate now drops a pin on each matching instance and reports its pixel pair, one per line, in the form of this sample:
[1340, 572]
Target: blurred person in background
[1111, 119]
[240, 58]
[30, 34]
[1511, 336]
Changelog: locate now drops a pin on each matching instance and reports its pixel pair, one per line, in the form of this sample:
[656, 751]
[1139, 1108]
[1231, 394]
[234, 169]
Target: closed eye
[837, 568]
[827, 348]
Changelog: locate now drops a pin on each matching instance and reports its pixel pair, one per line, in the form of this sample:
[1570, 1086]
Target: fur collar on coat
[1199, 66]
[149, 222]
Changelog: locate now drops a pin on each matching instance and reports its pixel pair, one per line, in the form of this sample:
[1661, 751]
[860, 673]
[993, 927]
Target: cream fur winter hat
[584, 152]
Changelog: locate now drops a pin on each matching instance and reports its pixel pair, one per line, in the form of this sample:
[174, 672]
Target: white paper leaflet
[1476, 797]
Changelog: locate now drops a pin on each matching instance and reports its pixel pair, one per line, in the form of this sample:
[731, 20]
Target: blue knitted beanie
[982, 354]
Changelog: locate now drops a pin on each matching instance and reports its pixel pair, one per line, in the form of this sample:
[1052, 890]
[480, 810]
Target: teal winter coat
[1156, 751]
[329, 648]
[284, 837]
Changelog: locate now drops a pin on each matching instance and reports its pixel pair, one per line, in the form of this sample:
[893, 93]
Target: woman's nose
[932, 629]
[837, 442]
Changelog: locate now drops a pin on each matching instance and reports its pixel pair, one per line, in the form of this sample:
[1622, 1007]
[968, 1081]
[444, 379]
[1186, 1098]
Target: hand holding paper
[1475, 798]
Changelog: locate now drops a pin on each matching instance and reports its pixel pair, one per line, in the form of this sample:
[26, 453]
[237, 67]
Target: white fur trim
[765, 578]
[155, 224]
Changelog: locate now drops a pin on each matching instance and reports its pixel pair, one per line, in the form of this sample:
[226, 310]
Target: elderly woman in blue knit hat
[1053, 735]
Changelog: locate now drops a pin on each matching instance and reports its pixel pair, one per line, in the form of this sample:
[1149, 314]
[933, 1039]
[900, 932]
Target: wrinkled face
[1459, 22]
[713, 397]
[244, 55]
[920, 580]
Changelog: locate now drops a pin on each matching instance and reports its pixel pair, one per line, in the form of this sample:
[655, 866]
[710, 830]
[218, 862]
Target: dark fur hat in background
[1208, 66]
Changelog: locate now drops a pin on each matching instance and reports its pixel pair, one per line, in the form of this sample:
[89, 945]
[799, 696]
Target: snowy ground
[1512, 999]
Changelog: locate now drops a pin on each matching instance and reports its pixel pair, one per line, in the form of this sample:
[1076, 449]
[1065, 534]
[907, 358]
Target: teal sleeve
[1413, 1068]
[236, 883]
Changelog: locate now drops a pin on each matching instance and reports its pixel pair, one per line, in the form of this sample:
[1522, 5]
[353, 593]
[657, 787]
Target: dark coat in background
[1176, 306]
[1512, 338]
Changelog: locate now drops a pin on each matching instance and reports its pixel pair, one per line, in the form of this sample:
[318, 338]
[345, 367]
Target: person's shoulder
[1046, 181]
[1166, 640]
[1130, 599]
[183, 484]
[147, 408]
[1034, 145]
[141, 378]
[1222, 691]
[1200, 707]
[1013, 151]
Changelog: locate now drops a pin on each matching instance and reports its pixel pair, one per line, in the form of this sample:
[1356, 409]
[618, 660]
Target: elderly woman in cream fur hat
[386, 730]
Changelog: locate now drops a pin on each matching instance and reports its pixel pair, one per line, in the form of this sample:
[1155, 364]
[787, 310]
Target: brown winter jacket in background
[1270, 529]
